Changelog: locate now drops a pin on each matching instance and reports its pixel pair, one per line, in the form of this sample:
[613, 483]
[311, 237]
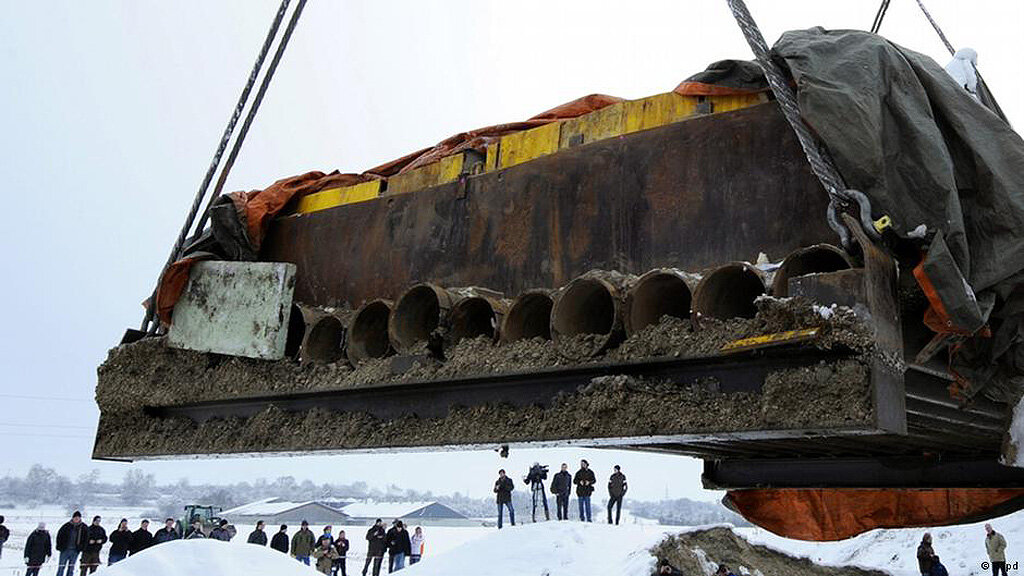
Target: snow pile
[550, 549]
[208, 557]
[961, 548]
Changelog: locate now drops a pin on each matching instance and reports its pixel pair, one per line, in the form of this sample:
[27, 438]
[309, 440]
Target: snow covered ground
[551, 548]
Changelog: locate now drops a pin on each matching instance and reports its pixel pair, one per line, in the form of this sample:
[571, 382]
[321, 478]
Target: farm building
[411, 513]
[277, 511]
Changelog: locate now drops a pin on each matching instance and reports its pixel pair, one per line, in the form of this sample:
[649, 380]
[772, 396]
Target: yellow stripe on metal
[658, 110]
[491, 163]
[597, 125]
[444, 170]
[776, 339]
[522, 146]
[736, 102]
[332, 197]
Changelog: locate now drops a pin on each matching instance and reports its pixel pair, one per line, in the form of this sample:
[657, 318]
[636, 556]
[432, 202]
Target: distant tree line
[42, 485]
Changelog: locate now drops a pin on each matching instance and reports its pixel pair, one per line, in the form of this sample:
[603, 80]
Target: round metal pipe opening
[656, 294]
[475, 316]
[587, 306]
[325, 341]
[729, 292]
[296, 332]
[368, 332]
[529, 317]
[811, 260]
[416, 315]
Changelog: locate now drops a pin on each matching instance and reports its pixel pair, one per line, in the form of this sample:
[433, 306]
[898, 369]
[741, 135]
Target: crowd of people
[561, 486]
[78, 543]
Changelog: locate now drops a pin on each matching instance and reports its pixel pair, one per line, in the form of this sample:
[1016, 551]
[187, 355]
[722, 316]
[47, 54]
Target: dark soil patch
[702, 551]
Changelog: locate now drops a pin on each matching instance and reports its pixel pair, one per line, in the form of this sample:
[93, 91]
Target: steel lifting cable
[230, 162]
[879, 16]
[147, 323]
[820, 160]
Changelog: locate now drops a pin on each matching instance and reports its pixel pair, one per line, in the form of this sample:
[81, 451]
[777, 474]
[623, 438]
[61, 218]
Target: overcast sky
[110, 112]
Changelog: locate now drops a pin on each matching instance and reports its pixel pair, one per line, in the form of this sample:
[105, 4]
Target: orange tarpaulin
[824, 514]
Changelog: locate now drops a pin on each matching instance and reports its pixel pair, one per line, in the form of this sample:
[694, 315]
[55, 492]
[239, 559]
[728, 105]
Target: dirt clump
[700, 552]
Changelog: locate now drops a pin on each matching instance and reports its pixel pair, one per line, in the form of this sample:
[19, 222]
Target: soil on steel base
[701, 551]
[148, 372]
[607, 407]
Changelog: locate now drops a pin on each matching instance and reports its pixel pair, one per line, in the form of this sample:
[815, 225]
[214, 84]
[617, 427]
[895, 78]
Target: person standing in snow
[97, 537]
[37, 550]
[141, 539]
[925, 555]
[375, 547]
[995, 545]
[4, 535]
[418, 542]
[503, 487]
[280, 540]
[326, 535]
[167, 533]
[120, 543]
[258, 536]
[561, 487]
[397, 540]
[303, 543]
[584, 481]
[341, 547]
[221, 532]
[196, 531]
[616, 491]
[71, 540]
[325, 555]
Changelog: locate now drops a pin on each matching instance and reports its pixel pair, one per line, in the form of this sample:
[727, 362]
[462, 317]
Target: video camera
[536, 474]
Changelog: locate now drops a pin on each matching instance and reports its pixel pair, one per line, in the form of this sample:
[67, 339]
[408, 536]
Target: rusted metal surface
[688, 195]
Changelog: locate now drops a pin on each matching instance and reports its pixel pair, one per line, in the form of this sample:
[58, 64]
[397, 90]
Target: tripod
[537, 490]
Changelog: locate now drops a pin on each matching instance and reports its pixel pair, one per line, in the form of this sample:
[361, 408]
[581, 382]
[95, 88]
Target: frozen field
[546, 549]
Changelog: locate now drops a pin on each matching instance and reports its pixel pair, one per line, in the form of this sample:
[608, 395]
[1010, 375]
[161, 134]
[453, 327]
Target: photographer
[561, 487]
[535, 478]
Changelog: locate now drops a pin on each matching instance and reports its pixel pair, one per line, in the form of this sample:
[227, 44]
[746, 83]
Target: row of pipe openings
[605, 305]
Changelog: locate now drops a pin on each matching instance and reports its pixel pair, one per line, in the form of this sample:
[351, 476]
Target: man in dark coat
[925, 555]
[258, 536]
[503, 488]
[616, 490]
[221, 532]
[399, 546]
[341, 547]
[37, 550]
[97, 537]
[141, 539]
[4, 535]
[120, 543]
[167, 533]
[280, 540]
[71, 540]
[561, 487]
[584, 481]
[375, 547]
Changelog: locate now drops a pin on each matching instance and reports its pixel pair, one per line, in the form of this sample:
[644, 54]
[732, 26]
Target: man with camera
[535, 478]
[584, 481]
[561, 487]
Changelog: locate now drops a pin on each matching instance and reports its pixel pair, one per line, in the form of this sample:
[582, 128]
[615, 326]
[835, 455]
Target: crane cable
[819, 158]
[879, 16]
[147, 323]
